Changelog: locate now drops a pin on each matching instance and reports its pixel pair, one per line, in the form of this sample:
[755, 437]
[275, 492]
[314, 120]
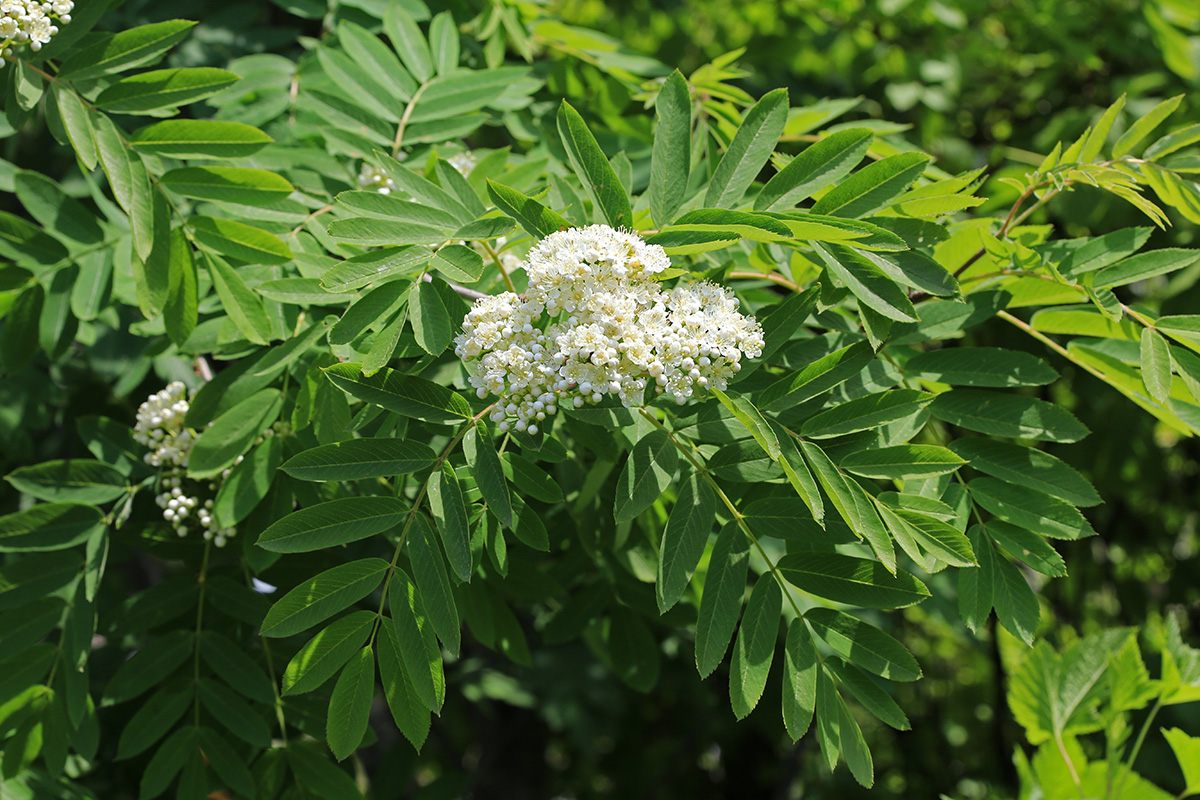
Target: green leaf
[417, 644]
[1099, 134]
[800, 667]
[900, 462]
[430, 322]
[226, 762]
[373, 267]
[327, 652]
[231, 434]
[239, 240]
[371, 231]
[1144, 265]
[647, 473]
[443, 41]
[817, 378]
[1025, 466]
[530, 480]
[1140, 129]
[1031, 510]
[248, 187]
[599, 180]
[683, 539]
[799, 475]
[850, 580]
[408, 41]
[828, 717]
[192, 138]
[359, 459]
[749, 150]
[234, 666]
[868, 693]
[1175, 140]
[375, 58]
[168, 760]
[485, 468]
[164, 88]
[1156, 365]
[1016, 606]
[534, 217]
[410, 714]
[399, 209]
[317, 775]
[49, 526]
[866, 413]
[721, 600]
[755, 646]
[322, 596]
[864, 644]
[135, 47]
[670, 160]
[873, 186]
[1028, 547]
[854, 747]
[1187, 753]
[182, 302]
[821, 164]
[247, 484]
[234, 713]
[153, 719]
[78, 123]
[350, 705]
[78, 480]
[333, 523]
[867, 282]
[941, 540]
[980, 366]
[1009, 415]
[633, 650]
[149, 666]
[459, 262]
[449, 510]
[52, 207]
[407, 395]
[429, 573]
[750, 417]
[129, 182]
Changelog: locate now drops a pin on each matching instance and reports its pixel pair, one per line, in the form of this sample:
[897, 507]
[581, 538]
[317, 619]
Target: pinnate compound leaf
[754, 648]
[327, 652]
[359, 459]
[647, 473]
[851, 580]
[333, 523]
[684, 538]
[350, 705]
[863, 644]
[322, 596]
[724, 586]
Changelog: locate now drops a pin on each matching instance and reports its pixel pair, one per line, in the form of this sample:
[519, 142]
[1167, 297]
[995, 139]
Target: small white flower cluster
[464, 162]
[28, 22]
[595, 322]
[372, 177]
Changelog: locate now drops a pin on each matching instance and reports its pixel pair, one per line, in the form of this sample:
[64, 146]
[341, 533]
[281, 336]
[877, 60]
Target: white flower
[464, 162]
[591, 324]
[26, 22]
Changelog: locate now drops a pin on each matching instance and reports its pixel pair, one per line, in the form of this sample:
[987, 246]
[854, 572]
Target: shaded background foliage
[978, 82]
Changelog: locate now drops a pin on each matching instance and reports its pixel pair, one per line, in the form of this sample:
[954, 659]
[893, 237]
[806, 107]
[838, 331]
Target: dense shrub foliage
[458, 360]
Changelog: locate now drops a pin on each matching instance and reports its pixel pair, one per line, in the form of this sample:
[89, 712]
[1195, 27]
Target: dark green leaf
[322, 596]
[850, 580]
[754, 648]
[333, 523]
[327, 652]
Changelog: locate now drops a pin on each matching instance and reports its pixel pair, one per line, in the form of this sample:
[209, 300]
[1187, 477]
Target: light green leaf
[864, 644]
[322, 596]
[1140, 129]
[594, 172]
[78, 123]
[754, 647]
[164, 88]
[817, 378]
[359, 459]
[430, 321]
[1156, 365]
[1145, 265]
[408, 41]
[1028, 547]
[941, 540]
[873, 186]
[750, 417]
[443, 41]
[332, 523]
[749, 150]
[823, 163]
[239, 240]
[1187, 753]
[248, 483]
[376, 266]
[248, 187]
[670, 160]
[459, 262]
[192, 138]
[450, 513]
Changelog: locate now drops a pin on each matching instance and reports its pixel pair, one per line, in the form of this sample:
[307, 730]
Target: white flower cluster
[594, 322]
[187, 504]
[28, 22]
[464, 162]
